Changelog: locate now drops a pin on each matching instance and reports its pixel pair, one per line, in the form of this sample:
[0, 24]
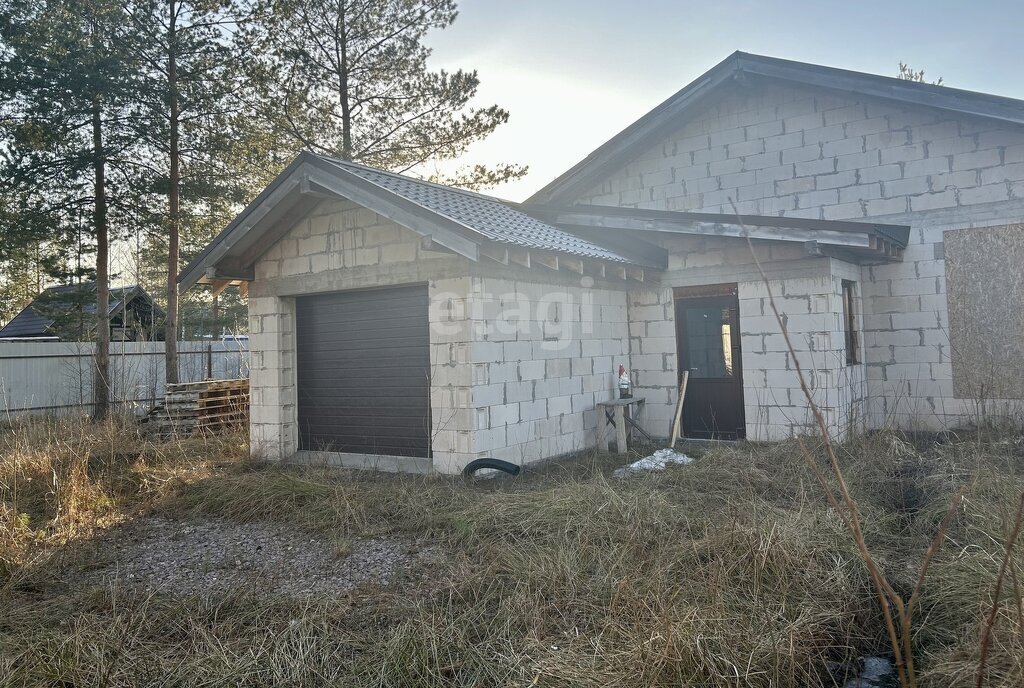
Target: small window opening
[850, 323]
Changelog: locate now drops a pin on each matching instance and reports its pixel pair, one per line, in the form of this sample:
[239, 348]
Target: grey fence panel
[57, 377]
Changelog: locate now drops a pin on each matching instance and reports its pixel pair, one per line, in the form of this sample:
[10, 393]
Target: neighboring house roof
[34, 320]
[668, 116]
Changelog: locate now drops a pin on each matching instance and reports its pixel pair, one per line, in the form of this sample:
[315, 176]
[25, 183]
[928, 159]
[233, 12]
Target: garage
[363, 371]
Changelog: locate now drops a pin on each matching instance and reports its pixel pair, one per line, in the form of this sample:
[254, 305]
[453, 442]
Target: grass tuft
[731, 571]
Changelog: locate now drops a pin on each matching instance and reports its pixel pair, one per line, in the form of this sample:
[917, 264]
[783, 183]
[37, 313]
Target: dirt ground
[205, 555]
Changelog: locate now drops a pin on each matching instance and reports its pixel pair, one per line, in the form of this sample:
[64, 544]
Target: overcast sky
[572, 73]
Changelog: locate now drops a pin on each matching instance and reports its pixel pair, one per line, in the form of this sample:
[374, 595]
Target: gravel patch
[213, 555]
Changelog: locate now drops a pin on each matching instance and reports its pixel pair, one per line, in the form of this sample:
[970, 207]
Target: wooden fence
[57, 377]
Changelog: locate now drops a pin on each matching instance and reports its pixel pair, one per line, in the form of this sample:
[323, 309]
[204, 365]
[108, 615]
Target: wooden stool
[614, 412]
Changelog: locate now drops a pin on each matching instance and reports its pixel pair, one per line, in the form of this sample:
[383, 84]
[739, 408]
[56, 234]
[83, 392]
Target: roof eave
[195, 271]
[308, 180]
[864, 240]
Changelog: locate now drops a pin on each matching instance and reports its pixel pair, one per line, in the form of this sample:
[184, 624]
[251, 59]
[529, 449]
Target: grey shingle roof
[33, 322]
[492, 218]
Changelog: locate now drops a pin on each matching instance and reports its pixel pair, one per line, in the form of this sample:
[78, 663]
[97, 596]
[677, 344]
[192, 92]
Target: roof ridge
[739, 56]
[427, 182]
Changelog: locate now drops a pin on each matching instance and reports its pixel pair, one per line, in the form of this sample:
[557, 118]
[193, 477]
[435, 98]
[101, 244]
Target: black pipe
[497, 464]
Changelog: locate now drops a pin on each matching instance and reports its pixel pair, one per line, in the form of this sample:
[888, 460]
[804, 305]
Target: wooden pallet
[207, 406]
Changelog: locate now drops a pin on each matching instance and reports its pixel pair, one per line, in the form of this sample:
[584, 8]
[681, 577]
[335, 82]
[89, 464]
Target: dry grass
[733, 571]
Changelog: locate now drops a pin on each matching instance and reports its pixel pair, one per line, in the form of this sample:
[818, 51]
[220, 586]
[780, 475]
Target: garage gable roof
[493, 219]
[669, 115]
[458, 220]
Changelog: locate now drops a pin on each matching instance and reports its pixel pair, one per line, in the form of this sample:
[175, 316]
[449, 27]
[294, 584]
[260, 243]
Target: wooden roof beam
[572, 264]
[548, 261]
[498, 254]
[635, 273]
[594, 268]
[427, 243]
[519, 257]
[219, 286]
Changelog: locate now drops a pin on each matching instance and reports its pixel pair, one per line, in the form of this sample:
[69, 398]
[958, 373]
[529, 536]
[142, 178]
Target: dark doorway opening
[708, 341]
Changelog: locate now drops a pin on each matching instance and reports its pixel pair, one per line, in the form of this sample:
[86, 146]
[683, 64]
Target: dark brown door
[363, 371]
[708, 337]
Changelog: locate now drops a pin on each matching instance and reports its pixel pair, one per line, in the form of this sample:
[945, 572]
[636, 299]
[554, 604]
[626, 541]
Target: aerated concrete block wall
[775, 405]
[342, 246]
[807, 293]
[517, 365]
[802, 152]
[652, 353]
[543, 355]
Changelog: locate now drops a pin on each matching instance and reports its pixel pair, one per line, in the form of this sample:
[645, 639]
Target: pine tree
[183, 52]
[349, 78]
[70, 129]
[205, 141]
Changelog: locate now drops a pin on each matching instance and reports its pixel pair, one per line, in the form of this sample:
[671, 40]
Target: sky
[573, 73]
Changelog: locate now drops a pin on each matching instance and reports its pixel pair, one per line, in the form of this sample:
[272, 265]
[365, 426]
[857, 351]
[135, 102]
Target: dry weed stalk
[899, 639]
[990, 622]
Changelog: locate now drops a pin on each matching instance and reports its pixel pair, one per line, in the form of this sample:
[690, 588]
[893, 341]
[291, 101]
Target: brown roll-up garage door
[363, 371]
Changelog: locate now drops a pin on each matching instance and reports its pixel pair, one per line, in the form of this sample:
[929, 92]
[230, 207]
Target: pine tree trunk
[101, 381]
[343, 90]
[173, 201]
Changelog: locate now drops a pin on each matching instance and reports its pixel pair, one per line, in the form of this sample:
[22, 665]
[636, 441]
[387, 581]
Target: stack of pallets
[206, 406]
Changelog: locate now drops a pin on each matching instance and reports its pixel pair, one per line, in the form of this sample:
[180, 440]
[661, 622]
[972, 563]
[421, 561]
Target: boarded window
[985, 297]
[850, 323]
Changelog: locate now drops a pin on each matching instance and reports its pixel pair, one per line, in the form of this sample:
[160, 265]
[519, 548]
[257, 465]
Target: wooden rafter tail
[572, 264]
[635, 274]
[427, 243]
[499, 254]
[219, 286]
[594, 268]
[519, 257]
[307, 188]
[243, 290]
[550, 262]
[619, 271]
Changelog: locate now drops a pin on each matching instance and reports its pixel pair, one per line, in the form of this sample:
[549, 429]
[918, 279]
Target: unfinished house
[400, 324]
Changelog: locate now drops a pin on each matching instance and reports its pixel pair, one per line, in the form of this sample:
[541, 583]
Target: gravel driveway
[213, 555]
